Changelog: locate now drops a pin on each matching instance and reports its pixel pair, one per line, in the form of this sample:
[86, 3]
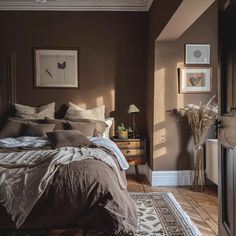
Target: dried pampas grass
[200, 118]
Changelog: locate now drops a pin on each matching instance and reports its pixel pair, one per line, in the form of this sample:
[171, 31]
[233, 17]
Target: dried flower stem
[200, 118]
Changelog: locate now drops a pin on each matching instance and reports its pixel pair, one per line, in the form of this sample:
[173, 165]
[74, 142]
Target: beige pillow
[75, 112]
[34, 113]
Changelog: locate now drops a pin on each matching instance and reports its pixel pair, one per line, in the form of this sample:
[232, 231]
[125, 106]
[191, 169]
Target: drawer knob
[128, 151]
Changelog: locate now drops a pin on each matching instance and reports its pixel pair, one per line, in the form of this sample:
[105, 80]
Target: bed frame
[7, 85]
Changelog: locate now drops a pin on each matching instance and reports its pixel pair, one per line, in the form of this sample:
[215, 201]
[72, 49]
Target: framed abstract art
[195, 80]
[197, 53]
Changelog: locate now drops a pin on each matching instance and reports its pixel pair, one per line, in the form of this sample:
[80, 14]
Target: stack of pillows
[40, 121]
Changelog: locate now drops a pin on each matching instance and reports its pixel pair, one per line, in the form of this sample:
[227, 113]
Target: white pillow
[109, 122]
[75, 112]
[35, 113]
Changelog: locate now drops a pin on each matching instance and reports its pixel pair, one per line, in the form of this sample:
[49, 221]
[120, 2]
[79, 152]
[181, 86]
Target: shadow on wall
[184, 160]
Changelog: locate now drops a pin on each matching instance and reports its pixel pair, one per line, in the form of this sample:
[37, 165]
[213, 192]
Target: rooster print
[62, 66]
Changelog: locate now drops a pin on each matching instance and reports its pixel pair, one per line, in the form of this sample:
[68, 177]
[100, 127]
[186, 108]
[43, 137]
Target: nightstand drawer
[130, 144]
[136, 160]
[133, 152]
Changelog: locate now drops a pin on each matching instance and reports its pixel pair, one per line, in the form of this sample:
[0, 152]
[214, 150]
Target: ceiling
[186, 14]
[76, 5]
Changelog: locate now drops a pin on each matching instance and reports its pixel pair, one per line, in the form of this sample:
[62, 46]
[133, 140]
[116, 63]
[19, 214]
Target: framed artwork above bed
[56, 68]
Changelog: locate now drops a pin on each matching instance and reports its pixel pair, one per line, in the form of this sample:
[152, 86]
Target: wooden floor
[202, 208]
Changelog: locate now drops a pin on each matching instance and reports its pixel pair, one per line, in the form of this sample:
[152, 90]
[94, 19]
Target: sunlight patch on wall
[82, 105]
[112, 93]
[180, 101]
[159, 96]
[99, 101]
[160, 139]
[180, 97]
[159, 152]
[159, 135]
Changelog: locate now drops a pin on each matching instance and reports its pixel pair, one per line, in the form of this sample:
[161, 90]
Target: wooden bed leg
[137, 173]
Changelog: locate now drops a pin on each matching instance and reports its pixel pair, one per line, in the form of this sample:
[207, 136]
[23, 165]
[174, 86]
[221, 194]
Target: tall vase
[198, 183]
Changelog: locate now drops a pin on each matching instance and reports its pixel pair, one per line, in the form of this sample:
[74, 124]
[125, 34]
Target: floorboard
[202, 207]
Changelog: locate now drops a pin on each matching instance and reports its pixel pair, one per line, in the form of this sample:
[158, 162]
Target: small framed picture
[56, 68]
[195, 80]
[197, 53]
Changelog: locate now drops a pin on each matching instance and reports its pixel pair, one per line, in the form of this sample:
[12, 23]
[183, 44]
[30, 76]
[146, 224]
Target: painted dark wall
[116, 59]
[112, 57]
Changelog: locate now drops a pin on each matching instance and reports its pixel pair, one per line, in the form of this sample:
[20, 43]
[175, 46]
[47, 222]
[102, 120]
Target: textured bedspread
[86, 193]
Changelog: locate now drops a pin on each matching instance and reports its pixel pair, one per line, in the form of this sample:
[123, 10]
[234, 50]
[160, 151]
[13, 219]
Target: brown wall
[160, 13]
[172, 140]
[116, 64]
[112, 57]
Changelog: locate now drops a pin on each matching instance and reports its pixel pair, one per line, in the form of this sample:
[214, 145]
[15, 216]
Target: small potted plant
[123, 132]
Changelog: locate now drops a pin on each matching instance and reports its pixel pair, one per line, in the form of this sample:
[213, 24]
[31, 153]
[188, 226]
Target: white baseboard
[164, 178]
[170, 178]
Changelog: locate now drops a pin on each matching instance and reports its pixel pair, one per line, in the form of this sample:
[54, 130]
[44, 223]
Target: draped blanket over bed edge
[66, 187]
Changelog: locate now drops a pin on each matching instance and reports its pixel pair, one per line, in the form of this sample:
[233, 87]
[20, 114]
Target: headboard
[7, 85]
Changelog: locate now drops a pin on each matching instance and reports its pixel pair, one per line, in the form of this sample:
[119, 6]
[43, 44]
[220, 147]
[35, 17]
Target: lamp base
[135, 135]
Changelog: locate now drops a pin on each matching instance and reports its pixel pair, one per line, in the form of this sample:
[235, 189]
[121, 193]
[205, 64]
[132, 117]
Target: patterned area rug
[161, 215]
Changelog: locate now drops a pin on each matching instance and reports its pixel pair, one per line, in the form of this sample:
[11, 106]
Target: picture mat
[187, 74]
[197, 53]
[48, 73]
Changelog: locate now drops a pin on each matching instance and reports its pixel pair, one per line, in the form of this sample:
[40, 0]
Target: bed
[79, 186]
[83, 193]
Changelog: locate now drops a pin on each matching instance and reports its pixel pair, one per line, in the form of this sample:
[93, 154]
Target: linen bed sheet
[83, 194]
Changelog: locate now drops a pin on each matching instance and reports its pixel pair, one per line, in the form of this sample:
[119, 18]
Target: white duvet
[28, 141]
[24, 141]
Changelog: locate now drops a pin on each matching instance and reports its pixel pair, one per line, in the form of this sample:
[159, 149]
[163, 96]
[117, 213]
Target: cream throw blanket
[25, 175]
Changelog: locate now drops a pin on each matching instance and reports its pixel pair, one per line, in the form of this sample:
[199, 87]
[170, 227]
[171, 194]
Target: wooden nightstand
[134, 151]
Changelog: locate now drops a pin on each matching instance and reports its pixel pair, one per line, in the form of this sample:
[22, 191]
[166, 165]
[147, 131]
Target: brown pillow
[40, 121]
[85, 128]
[100, 126]
[13, 128]
[60, 124]
[39, 129]
[69, 138]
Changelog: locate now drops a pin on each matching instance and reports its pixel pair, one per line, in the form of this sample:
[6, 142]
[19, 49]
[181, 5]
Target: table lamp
[133, 109]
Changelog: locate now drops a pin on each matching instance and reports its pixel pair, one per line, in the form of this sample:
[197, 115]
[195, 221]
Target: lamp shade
[132, 109]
